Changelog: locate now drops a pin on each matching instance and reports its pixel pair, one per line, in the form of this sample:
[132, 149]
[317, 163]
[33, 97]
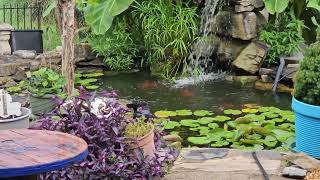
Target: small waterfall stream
[200, 58]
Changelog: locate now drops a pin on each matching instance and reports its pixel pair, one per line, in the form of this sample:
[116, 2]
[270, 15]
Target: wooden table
[26, 152]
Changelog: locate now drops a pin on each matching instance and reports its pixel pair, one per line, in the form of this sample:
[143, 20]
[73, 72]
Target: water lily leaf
[266, 123]
[193, 129]
[282, 135]
[251, 111]
[251, 141]
[270, 138]
[232, 124]
[278, 120]
[269, 109]
[243, 120]
[159, 120]
[174, 133]
[203, 130]
[254, 136]
[286, 113]
[262, 130]
[206, 120]
[287, 126]
[289, 118]
[220, 144]
[213, 125]
[232, 112]
[255, 117]
[184, 112]
[219, 133]
[202, 113]
[165, 114]
[270, 114]
[199, 140]
[170, 124]
[221, 118]
[189, 123]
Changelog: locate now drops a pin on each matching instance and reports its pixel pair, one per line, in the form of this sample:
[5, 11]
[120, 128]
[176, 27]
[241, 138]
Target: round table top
[26, 152]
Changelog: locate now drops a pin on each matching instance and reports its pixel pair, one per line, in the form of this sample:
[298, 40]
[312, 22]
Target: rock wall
[234, 35]
[14, 67]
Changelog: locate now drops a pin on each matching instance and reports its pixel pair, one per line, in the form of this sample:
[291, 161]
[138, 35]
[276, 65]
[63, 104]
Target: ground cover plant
[101, 122]
[249, 128]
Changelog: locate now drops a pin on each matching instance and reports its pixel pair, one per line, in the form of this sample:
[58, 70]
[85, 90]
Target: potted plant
[306, 103]
[141, 134]
[42, 86]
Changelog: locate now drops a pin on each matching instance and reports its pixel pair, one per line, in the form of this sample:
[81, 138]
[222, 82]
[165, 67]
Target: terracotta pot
[145, 143]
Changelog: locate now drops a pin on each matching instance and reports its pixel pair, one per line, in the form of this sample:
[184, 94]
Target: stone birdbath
[12, 115]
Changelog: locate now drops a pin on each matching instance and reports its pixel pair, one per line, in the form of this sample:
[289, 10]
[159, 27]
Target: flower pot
[42, 104]
[307, 124]
[146, 143]
[20, 122]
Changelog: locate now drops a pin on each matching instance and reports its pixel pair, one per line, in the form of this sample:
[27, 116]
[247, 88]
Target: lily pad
[213, 125]
[232, 124]
[203, 130]
[189, 123]
[193, 129]
[221, 118]
[251, 111]
[199, 140]
[206, 120]
[278, 120]
[255, 117]
[165, 114]
[184, 112]
[282, 135]
[270, 114]
[170, 125]
[219, 144]
[289, 118]
[232, 112]
[202, 113]
[269, 109]
[287, 126]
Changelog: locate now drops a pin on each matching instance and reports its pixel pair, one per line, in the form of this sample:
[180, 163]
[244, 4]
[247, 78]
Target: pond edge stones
[5, 33]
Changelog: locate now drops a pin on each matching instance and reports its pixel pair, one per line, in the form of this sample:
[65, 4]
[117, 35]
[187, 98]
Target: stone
[95, 62]
[173, 138]
[5, 37]
[20, 74]
[5, 48]
[290, 71]
[266, 79]
[25, 54]
[5, 27]
[265, 71]
[268, 87]
[262, 17]
[254, 3]
[237, 25]
[83, 52]
[251, 57]
[240, 8]
[302, 160]
[5, 80]
[294, 59]
[294, 172]
[245, 81]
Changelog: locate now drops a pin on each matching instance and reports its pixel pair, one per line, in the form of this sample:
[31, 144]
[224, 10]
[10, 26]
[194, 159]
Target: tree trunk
[68, 30]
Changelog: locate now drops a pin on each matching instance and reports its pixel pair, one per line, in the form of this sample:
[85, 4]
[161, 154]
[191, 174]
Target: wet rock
[25, 54]
[294, 172]
[254, 3]
[262, 17]
[266, 79]
[246, 81]
[240, 8]
[237, 25]
[268, 87]
[173, 138]
[83, 52]
[95, 62]
[303, 161]
[251, 57]
[265, 71]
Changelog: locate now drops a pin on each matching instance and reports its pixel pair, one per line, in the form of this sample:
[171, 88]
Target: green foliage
[263, 128]
[307, 86]
[46, 81]
[116, 46]
[87, 80]
[276, 6]
[168, 31]
[284, 39]
[138, 129]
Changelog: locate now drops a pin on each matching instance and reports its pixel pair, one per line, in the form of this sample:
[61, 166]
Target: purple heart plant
[101, 121]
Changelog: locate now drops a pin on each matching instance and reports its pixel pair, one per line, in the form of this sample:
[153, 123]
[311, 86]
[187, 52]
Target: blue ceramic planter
[307, 124]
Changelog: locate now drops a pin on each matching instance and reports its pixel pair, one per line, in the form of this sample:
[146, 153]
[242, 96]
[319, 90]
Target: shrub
[284, 38]
[101, 123]
[46, 81]
[307, 86]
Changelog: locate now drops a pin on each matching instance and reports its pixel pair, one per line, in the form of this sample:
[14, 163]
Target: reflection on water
[217, 95]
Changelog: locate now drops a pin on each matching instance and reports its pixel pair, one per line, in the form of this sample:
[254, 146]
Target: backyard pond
[213, 114]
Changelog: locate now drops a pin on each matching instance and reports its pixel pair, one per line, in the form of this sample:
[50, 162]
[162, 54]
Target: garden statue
[7, 107]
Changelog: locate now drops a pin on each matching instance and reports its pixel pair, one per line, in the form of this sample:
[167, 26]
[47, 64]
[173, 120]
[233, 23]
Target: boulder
[254, 3]
[240, 8]
[268, 86]
[262, 17]
[5, 31]
[237, 25]
[294, 172]
[83, 52]
[251, 57]
[245, 81]
[25, 54]
[5, 80]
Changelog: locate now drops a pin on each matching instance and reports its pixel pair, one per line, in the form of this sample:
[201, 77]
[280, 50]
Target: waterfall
[200, 58]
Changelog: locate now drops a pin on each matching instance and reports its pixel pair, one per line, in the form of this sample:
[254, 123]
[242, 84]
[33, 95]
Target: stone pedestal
[5, 32]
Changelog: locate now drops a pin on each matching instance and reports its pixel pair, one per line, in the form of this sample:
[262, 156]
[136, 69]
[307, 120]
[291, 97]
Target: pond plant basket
[307, 124]
[20, 122]
[42, 104]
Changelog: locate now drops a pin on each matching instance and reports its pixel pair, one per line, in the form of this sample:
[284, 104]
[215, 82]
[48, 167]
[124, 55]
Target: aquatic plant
[165, 114]
[109, 155]
[202, 113]
[254, 129]
[184, 112]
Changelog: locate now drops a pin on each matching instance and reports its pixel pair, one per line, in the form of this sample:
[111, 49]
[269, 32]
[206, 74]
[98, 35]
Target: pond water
[214, 96]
